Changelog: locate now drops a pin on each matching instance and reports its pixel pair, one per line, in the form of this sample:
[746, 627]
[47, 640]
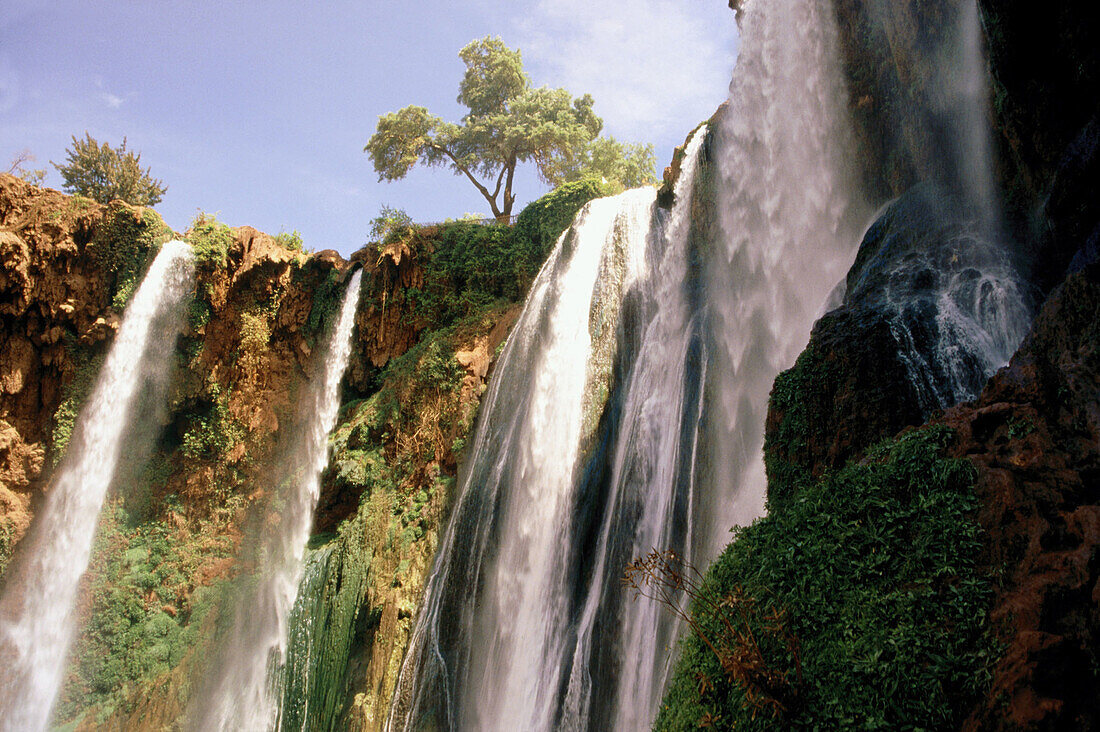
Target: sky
[259, 111]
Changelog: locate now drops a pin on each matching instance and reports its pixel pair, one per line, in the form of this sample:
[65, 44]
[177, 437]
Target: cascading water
[487, 647]
[942, 271]
[36, 612]
[525, 624]
[955, 303]
[649, 489]
[243, 691]
[790, 217]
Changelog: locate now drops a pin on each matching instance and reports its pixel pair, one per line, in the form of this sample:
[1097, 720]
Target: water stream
[37, 609]
[242, 690]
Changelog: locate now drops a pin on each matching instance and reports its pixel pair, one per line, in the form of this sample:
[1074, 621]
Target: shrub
[104, 174]
[291, 240]
[124, 244]
[210, 240]
[542, 221]
[873, 571]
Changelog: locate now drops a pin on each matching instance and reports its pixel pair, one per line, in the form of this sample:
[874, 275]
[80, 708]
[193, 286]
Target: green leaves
[876, 568]
[494, 76]
[401, 140]
[104, 174]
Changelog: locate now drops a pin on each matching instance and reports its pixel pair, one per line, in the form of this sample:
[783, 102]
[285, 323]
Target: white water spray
[243, 691]
[491, 631]
[791, 217]
[37, 609]
[525, 624]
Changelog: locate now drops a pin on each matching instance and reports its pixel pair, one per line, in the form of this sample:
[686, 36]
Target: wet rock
[1034, 435]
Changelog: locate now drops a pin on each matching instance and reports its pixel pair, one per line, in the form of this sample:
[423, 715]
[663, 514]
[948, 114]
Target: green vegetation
[210, 240]
[786, 467]
[146, 613]
[7, 543]
[387, 450]
[857, 603]
[468, 266]
[212, 430]
[509, 122]
[125, 242]
[291, 240]
[326, 301]
[105, 174]
[542, 221]
[619, 164]
[73, 394]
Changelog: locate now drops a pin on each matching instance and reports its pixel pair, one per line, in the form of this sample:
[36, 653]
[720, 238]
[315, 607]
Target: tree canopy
[104, 173]
[509, 122]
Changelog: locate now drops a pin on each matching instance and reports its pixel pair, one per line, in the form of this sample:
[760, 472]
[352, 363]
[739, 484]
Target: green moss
[124, 244]
[873, 571]
[73, 394]
[7, 543]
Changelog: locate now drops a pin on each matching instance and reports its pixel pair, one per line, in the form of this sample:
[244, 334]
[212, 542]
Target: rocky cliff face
[56, 314]
[1034, 435]
[173, 533]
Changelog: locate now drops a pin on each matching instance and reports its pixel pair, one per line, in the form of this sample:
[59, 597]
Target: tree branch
[491, 198]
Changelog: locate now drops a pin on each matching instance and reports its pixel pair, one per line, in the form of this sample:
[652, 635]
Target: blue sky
[259, 111]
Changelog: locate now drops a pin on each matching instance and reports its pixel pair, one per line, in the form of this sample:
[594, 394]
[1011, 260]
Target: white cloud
[9, 86]
[654, 67]
[112, 101]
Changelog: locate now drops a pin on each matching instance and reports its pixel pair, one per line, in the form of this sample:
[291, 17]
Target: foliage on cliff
[873, 572]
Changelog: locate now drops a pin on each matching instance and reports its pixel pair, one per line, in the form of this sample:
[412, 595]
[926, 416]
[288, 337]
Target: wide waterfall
[36, 611]
[243, 688]
[525, 623]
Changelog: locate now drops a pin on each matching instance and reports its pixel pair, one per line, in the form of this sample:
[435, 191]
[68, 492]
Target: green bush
[291, 240]
[327, 297]
[210, 240]
[542, 221]
[873, 571]
[213, 431]
[124, 244]
[145, 611]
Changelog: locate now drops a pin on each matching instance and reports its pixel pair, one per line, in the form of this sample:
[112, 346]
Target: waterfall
[36, 611]
[790, 217]
[943, 272]
[242, 691]
[525, 623]
[485, 652]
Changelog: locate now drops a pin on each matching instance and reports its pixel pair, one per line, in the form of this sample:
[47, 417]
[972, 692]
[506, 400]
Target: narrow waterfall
[525, 623]
[487, 649]
[943, 270]
[242, 691]
[36, 611]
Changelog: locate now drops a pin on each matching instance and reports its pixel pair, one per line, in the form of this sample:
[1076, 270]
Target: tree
[508, 122]
[605, 158]
[103, 173]
[34, 176]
